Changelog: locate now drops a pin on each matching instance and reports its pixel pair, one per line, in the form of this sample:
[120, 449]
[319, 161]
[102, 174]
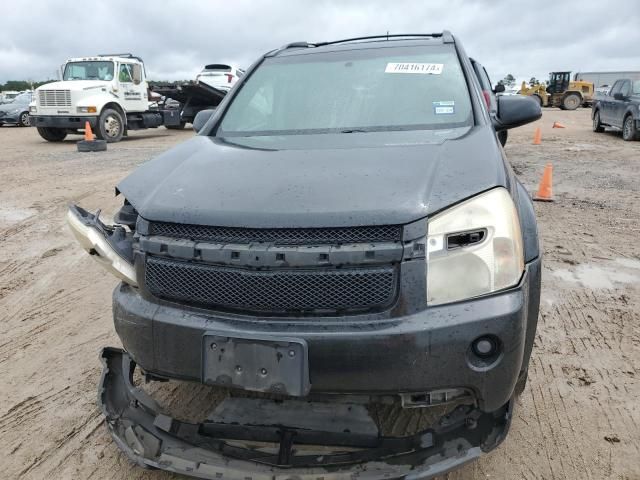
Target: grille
[277, 291]
[280, 236]
[54, 98]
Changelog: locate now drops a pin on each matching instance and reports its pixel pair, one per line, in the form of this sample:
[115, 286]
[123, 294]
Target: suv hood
[207, 181]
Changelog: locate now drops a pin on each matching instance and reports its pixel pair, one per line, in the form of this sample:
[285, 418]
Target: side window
[125, 73]
[626, 88]
[616, 88]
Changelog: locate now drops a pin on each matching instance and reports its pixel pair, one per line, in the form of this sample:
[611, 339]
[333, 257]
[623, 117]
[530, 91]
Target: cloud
[177, 38]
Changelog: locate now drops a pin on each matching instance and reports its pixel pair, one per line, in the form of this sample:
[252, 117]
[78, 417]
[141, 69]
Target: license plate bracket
[258, 363]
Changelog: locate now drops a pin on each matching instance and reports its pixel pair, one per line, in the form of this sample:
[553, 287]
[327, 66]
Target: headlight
[110, 246]
[33, 109]
[87, 109]
[474, 248]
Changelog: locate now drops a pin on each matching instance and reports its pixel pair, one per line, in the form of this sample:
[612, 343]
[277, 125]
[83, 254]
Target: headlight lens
[474, 248]
[93, 237]
[33, 109]
[87, 109]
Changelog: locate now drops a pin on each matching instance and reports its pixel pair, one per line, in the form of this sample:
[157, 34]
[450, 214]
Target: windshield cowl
[379, 139]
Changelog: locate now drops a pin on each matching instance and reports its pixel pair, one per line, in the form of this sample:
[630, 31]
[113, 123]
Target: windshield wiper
[354, 130]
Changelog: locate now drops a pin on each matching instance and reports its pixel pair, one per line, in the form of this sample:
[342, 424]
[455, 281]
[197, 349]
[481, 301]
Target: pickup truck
[620, 108]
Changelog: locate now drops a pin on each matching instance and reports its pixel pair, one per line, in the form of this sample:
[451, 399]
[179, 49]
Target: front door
[607, 104]
[133, 92]
[618, 107]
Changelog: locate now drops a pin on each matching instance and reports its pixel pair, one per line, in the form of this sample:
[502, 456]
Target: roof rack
[445, 35]
[273, 53]
[123, 55]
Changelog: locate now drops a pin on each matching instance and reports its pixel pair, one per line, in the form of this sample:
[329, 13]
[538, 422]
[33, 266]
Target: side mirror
[515, 111]
[618, 96]
[137, 73]
[499, 88]
[201, 118]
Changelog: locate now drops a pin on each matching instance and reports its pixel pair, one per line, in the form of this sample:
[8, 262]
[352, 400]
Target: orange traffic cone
[558, 125]
[88, 134]
[544, 191]
[537, 137]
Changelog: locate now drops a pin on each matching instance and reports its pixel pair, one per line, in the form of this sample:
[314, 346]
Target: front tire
[629, 131]
[23, 120]
[571, 101]
[110, 126]
[52, 134]
[597, 126]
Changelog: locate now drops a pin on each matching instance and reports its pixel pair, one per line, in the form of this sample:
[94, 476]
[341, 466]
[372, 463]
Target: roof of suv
[380, 41]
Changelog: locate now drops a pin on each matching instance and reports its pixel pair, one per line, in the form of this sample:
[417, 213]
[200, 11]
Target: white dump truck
[110, 91]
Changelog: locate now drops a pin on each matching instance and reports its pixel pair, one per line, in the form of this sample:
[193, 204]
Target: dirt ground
[579, 417]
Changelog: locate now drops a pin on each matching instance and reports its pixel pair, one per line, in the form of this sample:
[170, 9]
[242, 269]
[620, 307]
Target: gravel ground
[579, 417]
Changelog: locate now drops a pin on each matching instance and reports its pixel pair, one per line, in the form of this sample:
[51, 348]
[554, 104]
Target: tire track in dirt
[44, 214]
[66, 446]
[29, 407]
[46, 312]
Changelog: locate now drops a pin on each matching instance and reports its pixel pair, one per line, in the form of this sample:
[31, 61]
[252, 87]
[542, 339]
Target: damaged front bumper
[108, 245]
[225, 448]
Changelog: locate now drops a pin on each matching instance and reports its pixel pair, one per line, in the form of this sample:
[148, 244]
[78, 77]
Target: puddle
[629, 263]
[9, 216]
[601, 277]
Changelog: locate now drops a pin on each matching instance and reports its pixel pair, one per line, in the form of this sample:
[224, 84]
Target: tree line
[510, 81]
[20, 85]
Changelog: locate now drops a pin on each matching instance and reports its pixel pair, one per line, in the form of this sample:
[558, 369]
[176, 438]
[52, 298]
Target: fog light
[484, 347]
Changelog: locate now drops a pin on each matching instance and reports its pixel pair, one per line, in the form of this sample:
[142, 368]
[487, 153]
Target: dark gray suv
[344, 250]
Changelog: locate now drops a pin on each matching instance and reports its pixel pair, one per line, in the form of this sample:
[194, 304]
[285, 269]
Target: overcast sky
[176, 38]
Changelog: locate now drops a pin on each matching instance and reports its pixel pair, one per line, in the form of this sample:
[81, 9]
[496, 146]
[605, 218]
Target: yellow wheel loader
[561, 92]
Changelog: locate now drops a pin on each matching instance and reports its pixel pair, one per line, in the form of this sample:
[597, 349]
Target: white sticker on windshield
[444, 108]
[424, 68]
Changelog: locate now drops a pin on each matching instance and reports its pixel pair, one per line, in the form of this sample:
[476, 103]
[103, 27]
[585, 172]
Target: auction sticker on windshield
[444, 108]
[424, 68]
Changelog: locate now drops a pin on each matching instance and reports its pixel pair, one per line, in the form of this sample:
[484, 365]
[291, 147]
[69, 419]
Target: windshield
[22, 98]
[94, 70]
[388, 88]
